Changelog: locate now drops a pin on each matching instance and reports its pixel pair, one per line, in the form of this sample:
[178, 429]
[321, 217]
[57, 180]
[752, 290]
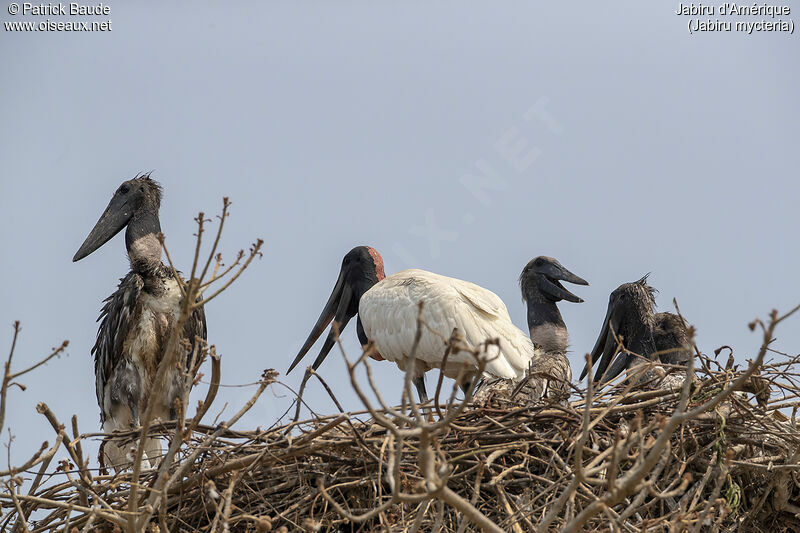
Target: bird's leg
[135, 414]
[174, 395]
[419, 383]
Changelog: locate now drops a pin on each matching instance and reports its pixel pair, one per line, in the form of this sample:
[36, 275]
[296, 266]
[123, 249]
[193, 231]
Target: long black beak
[338, 309]
[550, 285]
[114, 218]
[606, 346]
[622, 362]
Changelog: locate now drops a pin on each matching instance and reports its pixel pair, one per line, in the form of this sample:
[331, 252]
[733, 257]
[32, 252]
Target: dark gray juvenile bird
[542, 290]
[137, 320]
[549, 373]
[644, 335]
[673, 343]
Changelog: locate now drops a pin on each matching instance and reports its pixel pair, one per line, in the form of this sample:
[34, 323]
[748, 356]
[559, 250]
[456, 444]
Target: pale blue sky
[343, 123]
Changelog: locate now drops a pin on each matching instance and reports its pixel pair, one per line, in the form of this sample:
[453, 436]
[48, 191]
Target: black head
[362, 268]
[539, 281]
[630, 315]
[142, 193]
[672, 338]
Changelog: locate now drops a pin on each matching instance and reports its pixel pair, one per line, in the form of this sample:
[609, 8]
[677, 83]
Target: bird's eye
[124, 189]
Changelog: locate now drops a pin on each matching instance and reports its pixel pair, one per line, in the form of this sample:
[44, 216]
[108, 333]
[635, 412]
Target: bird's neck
[641, 342]
[141, 240]
[546, 326]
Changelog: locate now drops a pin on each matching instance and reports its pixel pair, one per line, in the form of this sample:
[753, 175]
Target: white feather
[389, 313]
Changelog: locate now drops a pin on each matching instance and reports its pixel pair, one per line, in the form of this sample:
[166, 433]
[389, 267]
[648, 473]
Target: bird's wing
[483, 300]
[481, 315]
[116, 318]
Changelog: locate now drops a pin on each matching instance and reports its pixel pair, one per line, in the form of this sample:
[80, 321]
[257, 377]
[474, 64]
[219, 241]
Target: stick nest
[731, 467]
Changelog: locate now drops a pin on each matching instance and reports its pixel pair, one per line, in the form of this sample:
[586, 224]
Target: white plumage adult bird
[388, 308]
